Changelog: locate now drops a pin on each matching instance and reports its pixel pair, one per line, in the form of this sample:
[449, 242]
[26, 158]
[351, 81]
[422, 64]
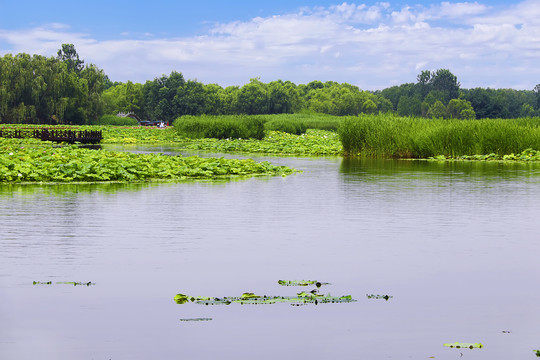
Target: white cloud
[371, 46]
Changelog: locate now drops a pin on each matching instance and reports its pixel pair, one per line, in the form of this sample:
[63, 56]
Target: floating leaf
[301, 283]
[74, 283]
[42, 282]
[459, 345]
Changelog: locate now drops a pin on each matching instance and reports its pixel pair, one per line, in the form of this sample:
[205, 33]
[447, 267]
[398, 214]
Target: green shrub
[220, 127]
[115, 120]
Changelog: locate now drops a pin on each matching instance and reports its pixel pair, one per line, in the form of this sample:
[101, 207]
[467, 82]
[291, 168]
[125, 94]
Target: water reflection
[453, 246]
[485, 171]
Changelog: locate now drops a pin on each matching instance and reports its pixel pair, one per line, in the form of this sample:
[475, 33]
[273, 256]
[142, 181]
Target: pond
[454, 245]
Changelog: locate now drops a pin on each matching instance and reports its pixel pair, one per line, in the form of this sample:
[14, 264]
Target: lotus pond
[423, 259]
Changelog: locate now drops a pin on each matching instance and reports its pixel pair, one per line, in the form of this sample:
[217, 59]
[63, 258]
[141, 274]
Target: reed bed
[407, 137]
[220, 127]
[290, 123]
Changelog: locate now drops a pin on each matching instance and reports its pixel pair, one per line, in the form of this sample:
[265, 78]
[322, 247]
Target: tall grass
[310, 121]
[220, 127]
[403, 137]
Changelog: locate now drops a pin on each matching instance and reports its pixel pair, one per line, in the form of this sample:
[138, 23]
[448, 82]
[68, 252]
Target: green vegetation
[302, 298]
[62, 90]
[301, 283]
[378, 297]
[24, 162]
[115, 120]
[285, 125]
[313, 142]
[220, 127]
[406, 137]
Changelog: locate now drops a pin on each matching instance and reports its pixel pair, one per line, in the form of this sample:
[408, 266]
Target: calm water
[456, 245]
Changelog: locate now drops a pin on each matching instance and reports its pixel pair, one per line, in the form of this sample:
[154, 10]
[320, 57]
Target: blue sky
[370, 44]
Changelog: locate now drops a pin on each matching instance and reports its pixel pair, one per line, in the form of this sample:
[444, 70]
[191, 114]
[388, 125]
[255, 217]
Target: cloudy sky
[374, 45]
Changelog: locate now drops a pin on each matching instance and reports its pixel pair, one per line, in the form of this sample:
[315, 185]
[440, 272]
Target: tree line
[61, 89]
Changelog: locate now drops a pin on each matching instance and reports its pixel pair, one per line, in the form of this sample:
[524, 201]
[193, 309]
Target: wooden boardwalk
[56, 135]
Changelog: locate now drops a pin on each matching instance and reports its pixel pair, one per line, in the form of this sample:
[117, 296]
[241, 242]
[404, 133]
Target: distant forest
[62, 90]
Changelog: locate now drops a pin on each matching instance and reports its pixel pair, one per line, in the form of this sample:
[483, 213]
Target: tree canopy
[62, 89]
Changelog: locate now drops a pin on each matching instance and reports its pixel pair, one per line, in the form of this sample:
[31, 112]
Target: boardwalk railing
[56, 135]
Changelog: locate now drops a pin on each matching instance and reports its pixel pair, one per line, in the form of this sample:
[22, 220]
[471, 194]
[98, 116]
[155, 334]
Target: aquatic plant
[45, 163]
[301, 283]
[220, 127]
[283, 125]
[302, 298]
[313, 142]
[311, 297]
[525, 155]
[74, 283]
[385, 297]
[459, 345]
[405, 137]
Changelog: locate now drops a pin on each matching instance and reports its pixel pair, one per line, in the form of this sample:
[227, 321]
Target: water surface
[455, 244]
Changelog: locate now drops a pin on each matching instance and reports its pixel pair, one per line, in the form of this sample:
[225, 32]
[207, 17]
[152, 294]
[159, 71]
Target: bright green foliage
[23, 162]
[401, 137]
[437, 110]
[220, 127]
[525, 155]
[291, 127]
[36, 89]
[459, 345]
[310, 121]
[313, 142]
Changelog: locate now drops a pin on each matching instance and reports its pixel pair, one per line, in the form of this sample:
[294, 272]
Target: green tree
[253, 98]
[437, 110]
[460, 109]
[68, 55]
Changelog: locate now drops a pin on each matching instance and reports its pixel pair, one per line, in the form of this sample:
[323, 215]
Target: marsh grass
[405, 137]
[220, 127]
[309, 121]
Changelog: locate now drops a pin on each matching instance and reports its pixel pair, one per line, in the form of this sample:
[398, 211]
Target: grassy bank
[400, 137]
[29, 161]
